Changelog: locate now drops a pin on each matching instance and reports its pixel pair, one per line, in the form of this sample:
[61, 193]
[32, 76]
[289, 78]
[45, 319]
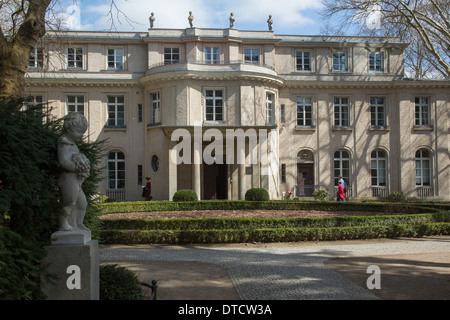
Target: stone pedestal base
[71, 267]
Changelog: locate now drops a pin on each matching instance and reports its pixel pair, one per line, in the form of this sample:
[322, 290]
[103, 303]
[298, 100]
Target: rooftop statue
[270, 22]
[75, 168]
[191, 19]
[152, 19]
[231, 20]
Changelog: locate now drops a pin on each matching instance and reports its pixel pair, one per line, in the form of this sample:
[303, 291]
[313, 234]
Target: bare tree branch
[424, 20]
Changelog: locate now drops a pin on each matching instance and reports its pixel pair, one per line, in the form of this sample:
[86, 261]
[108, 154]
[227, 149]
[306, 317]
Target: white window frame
[118, 58]
[77, 105]
[172, 55]
[376, 63]
[252, 54]
[214, 105]
[304, 67]
[212, 54]
[341, 62]
[33, 100]
[419, 111]
[115, 108]
[422, 170]
[302, 115]
[77, 62]
[378, 165]
[377, 112]
[118, 177]
[270, 108]
[155, 107]
[339, 170]
[342, 110]
[36, 59]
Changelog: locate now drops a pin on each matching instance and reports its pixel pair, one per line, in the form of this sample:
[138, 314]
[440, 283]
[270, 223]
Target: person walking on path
[340, 192]
[148, 188]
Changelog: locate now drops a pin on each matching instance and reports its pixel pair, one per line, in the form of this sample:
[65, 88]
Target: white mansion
[327, 106]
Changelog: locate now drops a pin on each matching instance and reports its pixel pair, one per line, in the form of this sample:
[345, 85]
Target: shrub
[185, 195]
[119, 283]
[396, 197]
[321, 195]
[257, 194]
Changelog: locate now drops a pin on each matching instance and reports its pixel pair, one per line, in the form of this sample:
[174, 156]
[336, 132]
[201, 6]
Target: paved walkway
[410, 269]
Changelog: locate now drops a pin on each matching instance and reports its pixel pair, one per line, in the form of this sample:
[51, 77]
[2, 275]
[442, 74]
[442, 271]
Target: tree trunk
[13, 64]
[15, 49]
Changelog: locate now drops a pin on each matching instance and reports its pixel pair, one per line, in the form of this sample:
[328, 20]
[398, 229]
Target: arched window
[423, 168]
[342, 166]
[116, 170]
[378, 168]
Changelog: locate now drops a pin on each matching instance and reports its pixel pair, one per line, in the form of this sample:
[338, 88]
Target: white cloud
[249, 14]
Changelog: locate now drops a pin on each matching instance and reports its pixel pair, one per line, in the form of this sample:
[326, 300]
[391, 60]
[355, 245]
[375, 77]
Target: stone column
[196, 174]
[242, 182]
[173, 172]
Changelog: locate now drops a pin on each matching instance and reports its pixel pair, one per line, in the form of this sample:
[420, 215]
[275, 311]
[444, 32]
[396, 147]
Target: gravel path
[288, 271]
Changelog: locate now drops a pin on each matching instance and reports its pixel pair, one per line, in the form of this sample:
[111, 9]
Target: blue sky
[289, 16]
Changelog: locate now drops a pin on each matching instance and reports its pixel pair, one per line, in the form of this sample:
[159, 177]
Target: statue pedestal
[71, 267]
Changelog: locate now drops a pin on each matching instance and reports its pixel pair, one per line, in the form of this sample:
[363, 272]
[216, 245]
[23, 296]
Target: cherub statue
[76, 168]
[191, 19]
[152, 19]
[231, 20]
[270, 22]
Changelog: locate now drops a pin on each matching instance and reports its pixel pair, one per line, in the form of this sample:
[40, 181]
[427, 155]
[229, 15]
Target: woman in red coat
[148, 188]
[340, 192]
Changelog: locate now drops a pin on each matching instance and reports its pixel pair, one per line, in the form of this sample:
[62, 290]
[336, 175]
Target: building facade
[220, 111]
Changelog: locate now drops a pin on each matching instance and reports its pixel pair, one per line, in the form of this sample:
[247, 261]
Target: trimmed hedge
[422, 220]
[219, 224]
[150, 206]
[273, 234]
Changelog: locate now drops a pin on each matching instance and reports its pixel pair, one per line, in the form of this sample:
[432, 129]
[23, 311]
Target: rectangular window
[282, 111]
[422, 111]
[75, 104]
[212, 55]
[303, 61]
[36, 60]
[115, 59]
[341, 112]
[31, 101]
[376, 61]
[75, 58]
[283, 172]
[251, 56]
[214, 102]
[304, 111]
[377, 112]
[116, 111]
[139, 112]
[270, 108]
[340, 61]
[139, 177]
[171, 55]
[155, 108]
[116, 170]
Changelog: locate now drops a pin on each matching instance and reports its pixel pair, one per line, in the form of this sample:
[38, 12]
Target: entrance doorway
[305, 179]
[215, 181]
